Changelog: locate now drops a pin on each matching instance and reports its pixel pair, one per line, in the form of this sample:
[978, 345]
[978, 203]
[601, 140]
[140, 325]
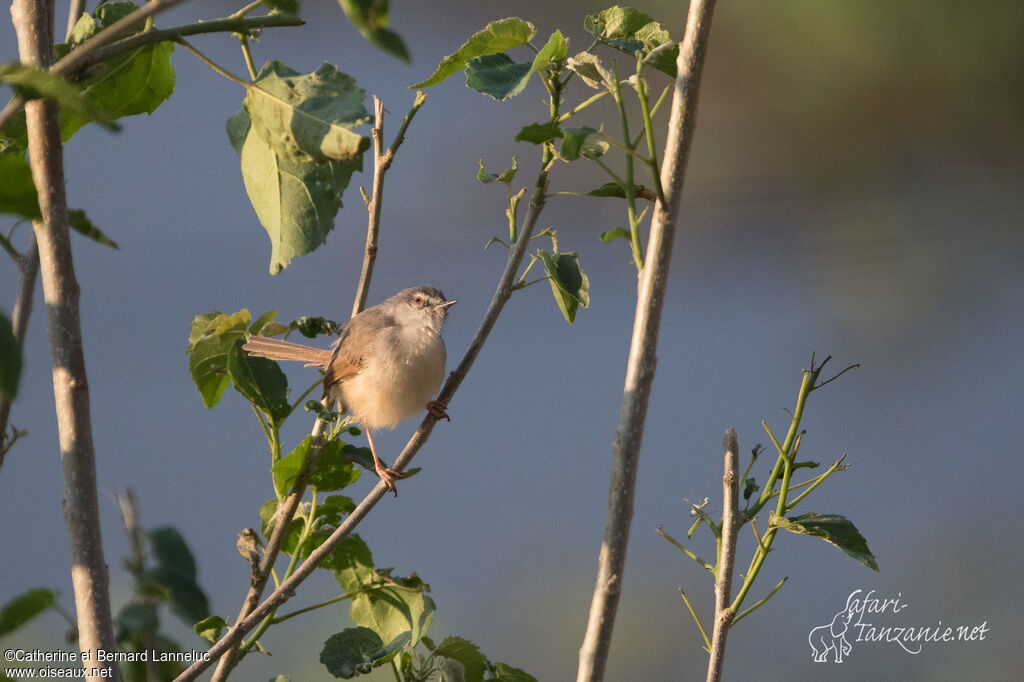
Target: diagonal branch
[642, 359]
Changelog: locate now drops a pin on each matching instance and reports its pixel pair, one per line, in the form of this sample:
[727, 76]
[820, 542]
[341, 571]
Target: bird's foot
[389, 476]
[438, 409]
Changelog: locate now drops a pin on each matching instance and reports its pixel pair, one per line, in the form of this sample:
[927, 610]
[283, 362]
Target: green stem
[627, 186]
[245, 10]
[815, 482]
[580, 107]
[758, 603]
[347, 595]
[212, 64]
[305, 394]
[247, 55]
[696, 619]
[652, 152]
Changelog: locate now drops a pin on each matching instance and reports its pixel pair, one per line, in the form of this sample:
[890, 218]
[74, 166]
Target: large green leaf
[213, 338]
[352, 564]
[832, 528]
[497, 76]
[295, 195]
[260, 381]
[355, 651]
[370, 17]
[33, 83]
[497, 36]
[392, 606]
[24, 608]
[569, 284]
[175, 575]
[136, 82]
[17, 191]
[307, 116]
[630, 30]
[473, 662]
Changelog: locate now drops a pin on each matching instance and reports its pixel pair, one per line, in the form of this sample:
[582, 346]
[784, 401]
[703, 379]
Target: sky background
[854, 190]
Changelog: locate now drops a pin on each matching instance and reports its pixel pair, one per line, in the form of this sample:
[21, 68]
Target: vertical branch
[642, 360]
[727, 555]
[33, 22]
[75, 10]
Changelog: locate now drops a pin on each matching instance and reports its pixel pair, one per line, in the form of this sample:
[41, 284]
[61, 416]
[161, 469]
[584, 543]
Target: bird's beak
[447, 303]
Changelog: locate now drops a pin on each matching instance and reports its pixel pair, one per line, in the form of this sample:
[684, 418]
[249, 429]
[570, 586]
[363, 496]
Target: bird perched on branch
[386, 365]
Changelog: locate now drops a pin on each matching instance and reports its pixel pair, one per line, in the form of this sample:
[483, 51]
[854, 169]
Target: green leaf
[750, 487]
[136, 82]
[260, 381]
[267, 521]
[630, 31]
[465, 652]
[831, 528]
[553, 51]
[296, 201]
[176, 571]
[14, 136]
[210, 628]
[504, 176]
[263, 321]
[498, 36]
[334, 471]
[616, 233]
[608, 189]
[10, 360]
[352, 564]
[24, 608]
[17, 191]
[506, 673]
[35, 83]
[213, 338]
[136, 620]
[83, 226]
[370, 18]
[307, 116]
[589, 68]
[569, 283]
[351, 652]
[539, 133]
[392, 606]
[574, 141]
[497, 76]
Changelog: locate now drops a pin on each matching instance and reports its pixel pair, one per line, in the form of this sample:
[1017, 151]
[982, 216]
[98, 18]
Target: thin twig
[33, 23]
[75, 10]
[640, 370]
[382, 161]
[731, 523]
[455, 379]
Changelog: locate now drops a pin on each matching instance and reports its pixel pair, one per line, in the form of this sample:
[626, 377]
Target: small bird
[386, 365]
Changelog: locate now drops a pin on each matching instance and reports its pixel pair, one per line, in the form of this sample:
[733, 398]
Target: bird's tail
[276, 349]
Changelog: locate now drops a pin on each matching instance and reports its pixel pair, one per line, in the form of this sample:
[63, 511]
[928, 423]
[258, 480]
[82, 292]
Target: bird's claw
[438, 409]
[389, 476]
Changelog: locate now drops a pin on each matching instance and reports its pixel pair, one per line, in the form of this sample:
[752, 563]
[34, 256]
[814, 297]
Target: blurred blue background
[854, 189]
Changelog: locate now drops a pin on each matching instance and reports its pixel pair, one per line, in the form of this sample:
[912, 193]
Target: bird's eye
[418, 300]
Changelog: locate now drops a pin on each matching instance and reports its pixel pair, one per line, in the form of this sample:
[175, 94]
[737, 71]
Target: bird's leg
[386, 474]
[438, 409]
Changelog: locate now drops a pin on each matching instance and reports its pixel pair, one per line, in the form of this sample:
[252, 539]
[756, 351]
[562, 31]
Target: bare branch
[731, 522]
[33, 22]
[642, 359]
[381, 163]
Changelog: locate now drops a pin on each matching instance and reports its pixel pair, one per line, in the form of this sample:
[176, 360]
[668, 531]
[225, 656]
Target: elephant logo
[832, 637]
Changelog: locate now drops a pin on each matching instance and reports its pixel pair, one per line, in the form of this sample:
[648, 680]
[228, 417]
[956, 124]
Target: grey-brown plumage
[386, 365]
